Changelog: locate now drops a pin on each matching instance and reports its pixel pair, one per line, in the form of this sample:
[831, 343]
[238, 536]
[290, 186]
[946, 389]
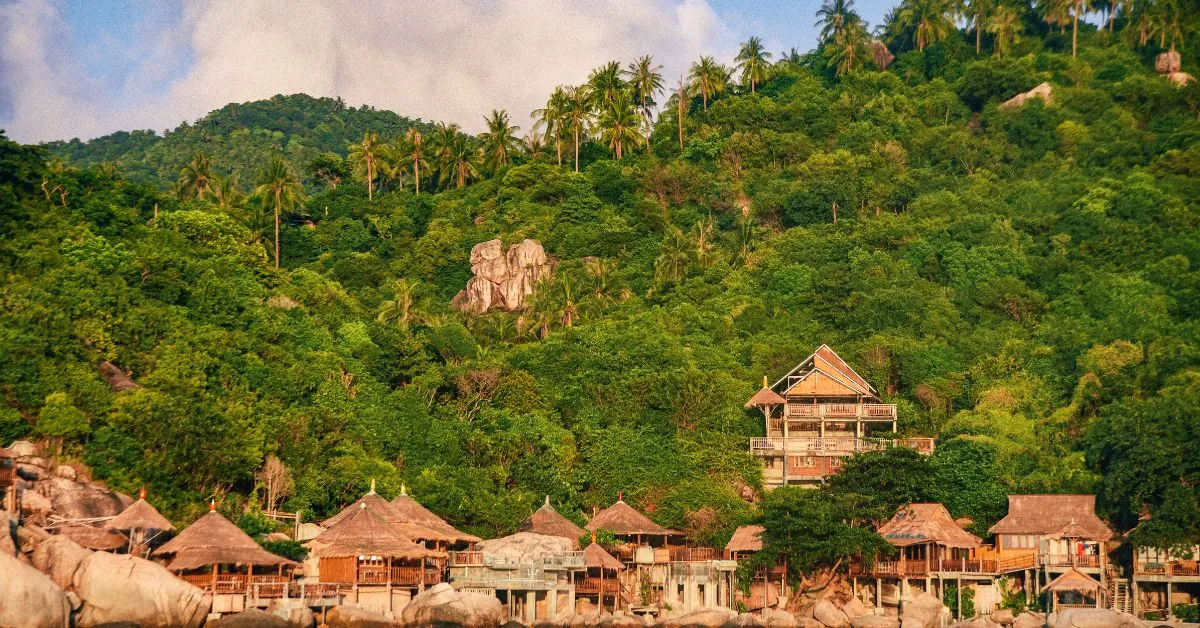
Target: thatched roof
[372, 500]
[1072, 531]
[926, 523]
[1049, 514]
[746, 539]
[527, 547]
[621, 518]
[93, 538]
[546, 520]
[1074, 580]
[596, 558]
[213, 540]
[765, 397]
[140, 515]
[407, 510]
[366, 532]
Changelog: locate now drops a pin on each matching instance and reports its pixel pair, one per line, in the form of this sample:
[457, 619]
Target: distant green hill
[238, 137]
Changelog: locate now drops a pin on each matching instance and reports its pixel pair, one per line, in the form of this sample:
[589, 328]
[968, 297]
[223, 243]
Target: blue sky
[82, 68]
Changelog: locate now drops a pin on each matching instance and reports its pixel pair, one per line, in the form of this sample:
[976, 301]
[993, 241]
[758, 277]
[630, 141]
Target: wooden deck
[911, 569]
[863, 411]
[832, 446]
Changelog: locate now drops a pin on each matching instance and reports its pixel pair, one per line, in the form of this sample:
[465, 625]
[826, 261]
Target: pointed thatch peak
[746, 539]
[364, 531]
[140, 515]
[595, 557]
[548, 521]
[372, 500]
[214, 540]
[411, 513]
[621, 518]
[1074, 580]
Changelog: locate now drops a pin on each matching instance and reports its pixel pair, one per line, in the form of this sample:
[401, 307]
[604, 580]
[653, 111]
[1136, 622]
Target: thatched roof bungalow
[629, 524]
[419, 523]
[362, 547]
[926, 533]
[1074, 589]
[745, 540]
[549, 522]
[93, 538]
[216, 555]
[141, 524]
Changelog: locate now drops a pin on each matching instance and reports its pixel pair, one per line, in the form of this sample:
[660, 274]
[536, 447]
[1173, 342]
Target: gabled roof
[746, 539]
[140, 515]
[621, 518]
[546, 520]
[212, 540]
[366, 532]
[1074, 580]
[409, 512]
[824, 373]
[594, 557]
[915, 524]
[1052, 514]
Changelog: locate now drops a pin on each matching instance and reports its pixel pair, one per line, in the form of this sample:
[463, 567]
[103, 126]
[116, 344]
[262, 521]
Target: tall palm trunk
[278, 191]
[978, 35]
[1074, 29]
[370, 178]
[416, 176]
[704, 95]
[576, 146]
[558, 144]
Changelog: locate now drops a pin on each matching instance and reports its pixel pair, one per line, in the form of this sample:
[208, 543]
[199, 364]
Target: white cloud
[439, 60]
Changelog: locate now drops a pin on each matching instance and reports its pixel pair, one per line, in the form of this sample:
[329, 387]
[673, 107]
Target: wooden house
[815, 416]
[1163, 578]
[422, 525]
[1074, 589]
[141, 526]
[745, 542]
[377, 566]
[218, 557]
[1054, 532]
[602, 578]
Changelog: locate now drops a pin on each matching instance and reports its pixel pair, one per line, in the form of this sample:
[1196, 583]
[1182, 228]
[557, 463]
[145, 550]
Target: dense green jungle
[1021, 280]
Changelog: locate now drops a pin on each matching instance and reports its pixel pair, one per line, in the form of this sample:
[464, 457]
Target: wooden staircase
[1119, 598]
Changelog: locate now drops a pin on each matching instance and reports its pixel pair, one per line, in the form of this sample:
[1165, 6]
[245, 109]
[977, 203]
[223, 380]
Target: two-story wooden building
[1163, 578]
[818, 414]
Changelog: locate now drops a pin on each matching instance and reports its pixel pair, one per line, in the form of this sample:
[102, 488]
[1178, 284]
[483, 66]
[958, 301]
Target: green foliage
[288, 549]
[967, 596]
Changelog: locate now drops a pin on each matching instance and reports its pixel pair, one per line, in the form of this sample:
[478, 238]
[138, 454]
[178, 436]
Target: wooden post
[958, 603]
[215, 571]
[878, 593]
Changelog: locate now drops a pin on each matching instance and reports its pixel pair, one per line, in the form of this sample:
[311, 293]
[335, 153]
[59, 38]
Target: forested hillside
[1021, 281]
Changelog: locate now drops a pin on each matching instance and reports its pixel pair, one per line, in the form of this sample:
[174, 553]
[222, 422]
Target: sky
[85, 68]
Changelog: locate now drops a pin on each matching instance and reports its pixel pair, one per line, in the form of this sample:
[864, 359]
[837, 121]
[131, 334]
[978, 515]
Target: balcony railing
[695, 554]
[1071, 560]
[1172, 568]
[1014, 563]
[970, 565]
[864, 411]
[776, 445]
[567, 560]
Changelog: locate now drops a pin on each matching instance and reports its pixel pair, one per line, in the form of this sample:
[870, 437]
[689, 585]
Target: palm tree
[606, 83]
[578, 114]
[402, 308]
[619, 125]
[500, 141]
[534, 144]
[413, 151]
[1078, 7]
[1005, 28]
[227, 192]
[834, 17]
[753, 61]
[929, 21]
[850, 51]
[365, 156]
[279, 187]
[977, 15]
[553, 118]
[674, 258]
[708, 77]
[196, 178]
[457, 153]
[683, 98]
[1057, 12]
[646, 80]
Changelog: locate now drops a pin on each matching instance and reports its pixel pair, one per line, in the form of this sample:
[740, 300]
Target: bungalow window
[1019, 541]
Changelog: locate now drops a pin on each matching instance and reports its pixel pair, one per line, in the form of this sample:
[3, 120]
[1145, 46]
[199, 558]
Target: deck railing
[1172, 568]
[592, 586]
[776, 445]
[461, 559]
[969, 565]
[1071, 560]
[695, 554]
[866, 411]
[1013, 563]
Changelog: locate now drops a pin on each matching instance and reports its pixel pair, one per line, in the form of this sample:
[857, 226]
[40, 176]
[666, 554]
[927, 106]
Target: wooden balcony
[695, 554]
[592, 586]
[236, 582]
[845, 411]
[1016, 563]
[1187, 568]
[464, 559]
[836, 446]
[403, 576]
[1071, 560]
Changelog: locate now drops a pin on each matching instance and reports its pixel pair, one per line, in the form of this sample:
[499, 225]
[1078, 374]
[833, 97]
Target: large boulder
[30, 472]
[1180, 78]
[502, 279]
[808, 622]
[777, 618]
[1043, 91]
[35, 504]
[1167, 62]
[441, 604]
[924, 611]
[746, 620]
[1002, 616]
[8, 544]
[72, 500]
[122, 588]
[875, 621]
[977, 622]
[855, 608]
[1028, 620]
[762, 595]
[29, 598]
[701, 618]
[23, 450]
[1096, 618]
[825, 612]
[252, 618]
[59, 557]
[355, 617]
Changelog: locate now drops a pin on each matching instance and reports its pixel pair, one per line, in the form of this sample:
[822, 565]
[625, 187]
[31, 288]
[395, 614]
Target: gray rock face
[252, 618]
[73, 500]
[121, 588]
[502, 279]
[59, 557]
[23, 449]
[1028, 620]
[29, 598]
[355, 617]
[1097, 618]
[855, 608]
[762, 595]
[825, 612]
[924, 611]
[441, 604]
[1043, 91]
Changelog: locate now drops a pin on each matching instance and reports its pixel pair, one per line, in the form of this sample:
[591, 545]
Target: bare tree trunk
[1074, 29]
[277, 228]
[577, 146]
[416, 177]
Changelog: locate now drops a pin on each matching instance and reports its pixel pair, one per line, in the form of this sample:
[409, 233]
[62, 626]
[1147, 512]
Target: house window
[835, 463]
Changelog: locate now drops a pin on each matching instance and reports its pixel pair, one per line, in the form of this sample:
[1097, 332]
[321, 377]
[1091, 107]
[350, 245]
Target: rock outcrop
[441, 604]
[924, 611]
[830, 615]
[29, 598]
[762, 595]
[59, 557]
[875, 621]
[776, 618]
[355, 617]
[1095, 618]
[1167, 62]
[122, 588]
[1028, 620]
[1043, 91]
[701, 618]
[1180, 78]
[502, 279]
[73, 500]
[252, 618]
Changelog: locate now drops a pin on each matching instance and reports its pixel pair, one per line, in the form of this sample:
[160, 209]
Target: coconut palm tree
[618, 124]
[402, 308]
[683, 98]
[753, 60]
[606, 82]
[850, 51]
[646, 80]
[533, 144]
[414, 152]
[553, 118]
[976, 12]
[196, 178]
[1005, 27]
[500, 141]
[674, 258]
[708, 77]
[279, 188]
[1056, 12]
[578, 114]
[834, 17]
[1078, 7]
[365, 156]
[459, 153]
[227, 192]
[928, 20]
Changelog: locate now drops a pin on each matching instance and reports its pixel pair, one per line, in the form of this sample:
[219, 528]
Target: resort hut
[746, 540]
[765, 400]
[547, 521]
[420, 524]
[1074, 589]
[139, 524]
[363, 549]
[602, 573]
[1061, 531]
[93, 538]
[372, 500]
[926, 534]
[217, 556]
[630, 525]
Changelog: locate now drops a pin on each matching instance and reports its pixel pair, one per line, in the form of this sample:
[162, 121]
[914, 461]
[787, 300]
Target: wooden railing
[776, 445]
[868, 411]
[1013, 563]
[592, 586]
[1071, 560]
[1172, 568]
[461, 559]
[970, 565]
[694, 554]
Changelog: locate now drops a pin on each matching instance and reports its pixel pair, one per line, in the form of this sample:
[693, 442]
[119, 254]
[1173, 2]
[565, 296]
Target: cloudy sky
[83, 68]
